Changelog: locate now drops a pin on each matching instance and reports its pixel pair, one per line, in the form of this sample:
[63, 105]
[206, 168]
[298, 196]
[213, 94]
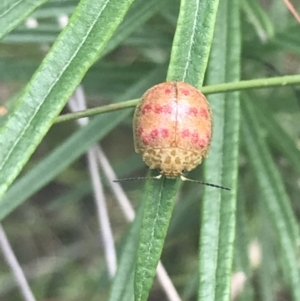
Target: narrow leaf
[75, 51]
[189, 58]
[13, 12]
[192, 41]
[274, 196]
[159, 202]
[221, 167]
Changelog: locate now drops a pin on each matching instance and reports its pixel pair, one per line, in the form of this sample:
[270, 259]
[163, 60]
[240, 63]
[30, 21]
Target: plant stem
[213, 89]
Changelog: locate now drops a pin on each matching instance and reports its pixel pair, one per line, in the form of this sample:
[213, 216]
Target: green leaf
[192, 41]
[70, 150]
[274, 195]
[13, 12]
[159, 203]
[160, 195]
[75, 51]
[127, 260]
[221, 167]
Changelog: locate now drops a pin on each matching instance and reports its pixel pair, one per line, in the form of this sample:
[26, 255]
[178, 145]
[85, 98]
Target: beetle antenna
[204, 183]
[137, 178]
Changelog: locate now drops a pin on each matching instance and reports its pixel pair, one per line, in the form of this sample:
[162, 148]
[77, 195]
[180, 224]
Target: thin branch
[213, 89]
[15, 267]
[166, 283]
[292, 9]
[117, 189]
[77, 102]
[102, 213]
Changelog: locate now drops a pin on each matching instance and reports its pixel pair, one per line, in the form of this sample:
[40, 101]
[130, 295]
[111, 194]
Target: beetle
[172, 129]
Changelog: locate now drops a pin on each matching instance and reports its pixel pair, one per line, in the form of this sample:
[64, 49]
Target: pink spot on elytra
[202, 143]
[146, 109]
[185, 133]
[195, 137]
[208, 135]
[185, 92]
[146, 139]
[193, 111]
[168, 91]
[164, 133]
[157, 109]
[154, 133]
[204, 113]
[165, 109]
